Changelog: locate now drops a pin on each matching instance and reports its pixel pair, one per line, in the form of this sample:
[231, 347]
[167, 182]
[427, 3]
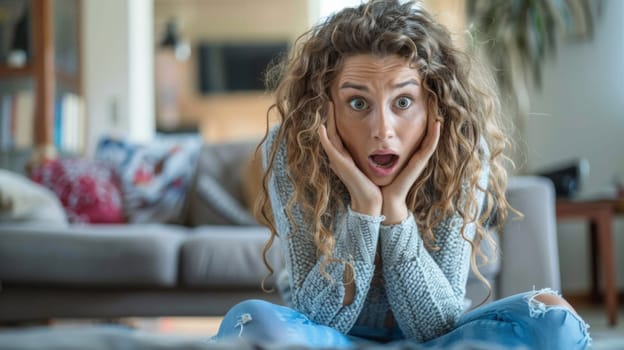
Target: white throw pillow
[22, 200]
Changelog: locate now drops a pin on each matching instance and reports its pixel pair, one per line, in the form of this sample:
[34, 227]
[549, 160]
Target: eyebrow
[405, 83]
[348, 85]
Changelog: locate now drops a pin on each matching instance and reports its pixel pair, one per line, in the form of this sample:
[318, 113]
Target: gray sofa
[210, 262]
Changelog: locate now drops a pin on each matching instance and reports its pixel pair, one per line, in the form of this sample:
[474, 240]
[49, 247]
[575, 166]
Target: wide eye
[358, 104]
[403, 102]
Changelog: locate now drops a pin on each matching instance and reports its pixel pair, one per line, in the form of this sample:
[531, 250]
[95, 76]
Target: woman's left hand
[395, 194]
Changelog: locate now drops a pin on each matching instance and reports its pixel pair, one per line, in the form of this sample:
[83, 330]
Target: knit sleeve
[317, 296]
[426, 289]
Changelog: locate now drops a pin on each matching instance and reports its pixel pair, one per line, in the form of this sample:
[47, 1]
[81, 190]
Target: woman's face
[381, 113]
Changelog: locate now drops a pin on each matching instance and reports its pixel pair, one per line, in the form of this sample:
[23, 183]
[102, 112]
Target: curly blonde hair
[457, 92]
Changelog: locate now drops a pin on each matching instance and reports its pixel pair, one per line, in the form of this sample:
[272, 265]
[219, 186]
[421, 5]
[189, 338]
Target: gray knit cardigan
[423, 289]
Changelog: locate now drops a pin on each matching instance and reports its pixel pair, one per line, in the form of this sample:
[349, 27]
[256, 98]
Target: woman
[380, 180]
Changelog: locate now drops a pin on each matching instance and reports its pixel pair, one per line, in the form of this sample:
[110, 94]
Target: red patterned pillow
[89, 191]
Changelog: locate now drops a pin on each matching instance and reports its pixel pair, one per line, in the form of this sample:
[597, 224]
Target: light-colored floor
[605, 337]
[200, 326]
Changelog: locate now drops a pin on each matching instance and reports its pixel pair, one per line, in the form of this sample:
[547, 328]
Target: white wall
[118, 68]
[582, 100]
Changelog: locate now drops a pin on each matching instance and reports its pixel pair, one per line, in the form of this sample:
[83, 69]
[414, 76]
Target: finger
[326, 131]
[332, 130]
[433, 121]
[432, 138]
[328, 146]
[419, 160]
[430, 141]
[336, 159]
[325, 142]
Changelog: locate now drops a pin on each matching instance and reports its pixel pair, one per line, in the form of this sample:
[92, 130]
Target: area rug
[119, 337]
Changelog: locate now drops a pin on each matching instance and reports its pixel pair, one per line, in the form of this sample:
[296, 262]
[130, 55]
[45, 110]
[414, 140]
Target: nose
[382, 127]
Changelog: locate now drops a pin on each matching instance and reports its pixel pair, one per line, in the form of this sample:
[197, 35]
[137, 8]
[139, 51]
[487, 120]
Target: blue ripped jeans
[516, 322]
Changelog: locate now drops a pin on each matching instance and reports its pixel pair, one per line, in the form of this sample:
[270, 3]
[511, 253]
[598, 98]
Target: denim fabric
[516, 322]
[261, 322]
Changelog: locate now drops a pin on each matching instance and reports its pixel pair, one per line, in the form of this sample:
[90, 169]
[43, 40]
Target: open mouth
[384, 161]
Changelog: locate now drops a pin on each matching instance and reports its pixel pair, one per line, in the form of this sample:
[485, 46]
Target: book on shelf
[6, 123]
[69, 123]
[17, 112]
[17, 122]
[23, 119]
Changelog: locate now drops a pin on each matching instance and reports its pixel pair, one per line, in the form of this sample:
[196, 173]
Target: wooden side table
[599, 214]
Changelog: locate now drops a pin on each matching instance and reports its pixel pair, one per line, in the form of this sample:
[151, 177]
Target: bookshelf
[38, 94]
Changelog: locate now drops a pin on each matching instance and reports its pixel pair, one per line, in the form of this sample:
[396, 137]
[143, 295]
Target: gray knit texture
[423, 289]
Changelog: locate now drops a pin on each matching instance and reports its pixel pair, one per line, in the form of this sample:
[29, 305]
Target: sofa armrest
[530, 257]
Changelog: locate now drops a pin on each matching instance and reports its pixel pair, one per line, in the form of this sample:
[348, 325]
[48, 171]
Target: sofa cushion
[216, 197]
[220, 203]
[104, 255]
[227, 256]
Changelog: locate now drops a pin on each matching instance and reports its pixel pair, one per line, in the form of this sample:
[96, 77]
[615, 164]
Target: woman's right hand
[366, 197]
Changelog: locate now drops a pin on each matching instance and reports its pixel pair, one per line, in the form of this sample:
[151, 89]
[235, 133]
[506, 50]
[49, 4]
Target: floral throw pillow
[155, 177]
[89, 191]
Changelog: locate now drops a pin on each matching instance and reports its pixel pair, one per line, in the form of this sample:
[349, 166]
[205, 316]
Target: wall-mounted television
[235, 67]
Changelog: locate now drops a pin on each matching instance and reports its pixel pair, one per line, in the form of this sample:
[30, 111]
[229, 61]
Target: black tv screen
[231, 67]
